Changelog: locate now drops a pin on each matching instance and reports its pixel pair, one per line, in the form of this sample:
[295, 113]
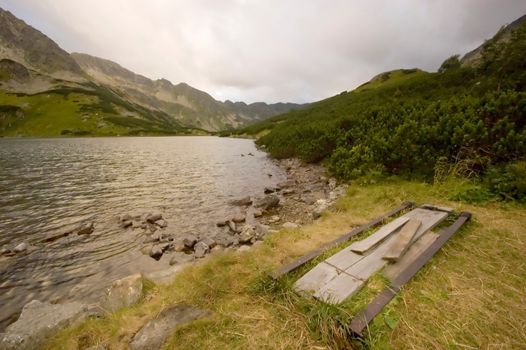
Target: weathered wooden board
[379, 236]
[437, 207]
[360, 321]
[373, 262]
[357, 230]
[339, 288]
[402, 240]
[316, 278]
[393, 270]
[344, 259]
[345, 272]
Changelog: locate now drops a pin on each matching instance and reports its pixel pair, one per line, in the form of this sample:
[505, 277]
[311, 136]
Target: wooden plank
[339, 289]
[392, 270]
[317, 252]
[429, 218]
[373, 262]
[379, 236]
[402, 240]
[316, 278]
[360, 322]
[437, 207]
[344, 259]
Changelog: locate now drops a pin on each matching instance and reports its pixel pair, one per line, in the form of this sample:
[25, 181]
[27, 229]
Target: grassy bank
[471, 295]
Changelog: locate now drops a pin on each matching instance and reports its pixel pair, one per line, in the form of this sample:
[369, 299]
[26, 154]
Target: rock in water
[22, 247]
[268, 202]
[189, 241]
[153, 218]
[86, 229]
[245, 201]
[122, 293]
[161, 223]
[247, 234]
[156, 252]
[153, 335]
[38, 322]
[200, 249]
[238, 218]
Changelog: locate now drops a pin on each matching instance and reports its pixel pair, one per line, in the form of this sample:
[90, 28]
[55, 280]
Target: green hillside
[465, 119]
[88, 111]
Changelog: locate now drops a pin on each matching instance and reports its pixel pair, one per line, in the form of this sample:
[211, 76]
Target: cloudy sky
[268, 50]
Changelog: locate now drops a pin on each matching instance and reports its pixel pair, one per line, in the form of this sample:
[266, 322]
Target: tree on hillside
[452, 62]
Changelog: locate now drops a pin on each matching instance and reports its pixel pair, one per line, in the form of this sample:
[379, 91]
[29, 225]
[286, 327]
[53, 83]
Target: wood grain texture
[339, 289]
[402, 240]
[379, 236]
[393, 270]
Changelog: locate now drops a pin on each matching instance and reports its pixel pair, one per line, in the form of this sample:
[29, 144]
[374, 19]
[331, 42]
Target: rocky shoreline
[297, 201]
[302, 198]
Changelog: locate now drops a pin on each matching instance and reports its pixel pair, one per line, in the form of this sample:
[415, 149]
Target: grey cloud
[270, 50]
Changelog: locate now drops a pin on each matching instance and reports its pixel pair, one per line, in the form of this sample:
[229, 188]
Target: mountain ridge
[32, 63]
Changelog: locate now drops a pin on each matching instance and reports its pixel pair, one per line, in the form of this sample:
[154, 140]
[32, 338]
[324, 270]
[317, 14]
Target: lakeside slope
[471, 294]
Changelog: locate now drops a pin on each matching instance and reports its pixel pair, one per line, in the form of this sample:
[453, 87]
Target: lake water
[50, 185]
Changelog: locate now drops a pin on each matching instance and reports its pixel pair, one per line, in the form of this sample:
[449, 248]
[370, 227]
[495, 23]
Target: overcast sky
[268, 50]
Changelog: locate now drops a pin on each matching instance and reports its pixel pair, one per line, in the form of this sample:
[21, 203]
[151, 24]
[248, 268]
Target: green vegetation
[88, 111]
[409, 122]
[468, 296]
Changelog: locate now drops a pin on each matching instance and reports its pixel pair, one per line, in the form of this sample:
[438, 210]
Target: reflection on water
[49, 185]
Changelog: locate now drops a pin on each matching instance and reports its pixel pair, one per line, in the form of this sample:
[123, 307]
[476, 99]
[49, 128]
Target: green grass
[470, 295]
[51, 114]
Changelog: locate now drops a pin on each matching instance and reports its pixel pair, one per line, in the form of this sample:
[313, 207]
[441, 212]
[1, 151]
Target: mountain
[45, 91]
[474, 57]
[188, 105]
[465, 119]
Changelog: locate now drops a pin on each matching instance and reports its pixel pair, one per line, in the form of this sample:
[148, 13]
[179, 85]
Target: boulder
[290, 225]
[308, 199]
[222, 223]
[122, 293]
[245, 201]
[147, 249]
[247, 234]
[268, 190]
[178, 258]
[288, 191]
[39, 321]
[225, 239]
[152, 218]
[189, 241]
[257, 213]
[126, 223]
[232, 226]
[268, 202]
[321, 206]
[332, 183]
[22, 247]
[179, 246]
[153, 335]
[238, 218]
[156, 252]
[85, 229]
[161, 223]
[201, 249]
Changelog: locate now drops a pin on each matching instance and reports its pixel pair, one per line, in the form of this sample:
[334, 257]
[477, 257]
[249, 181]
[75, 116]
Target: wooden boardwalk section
[344, 273]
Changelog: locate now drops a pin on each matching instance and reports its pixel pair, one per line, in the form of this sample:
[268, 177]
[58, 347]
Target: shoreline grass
[472, 294]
